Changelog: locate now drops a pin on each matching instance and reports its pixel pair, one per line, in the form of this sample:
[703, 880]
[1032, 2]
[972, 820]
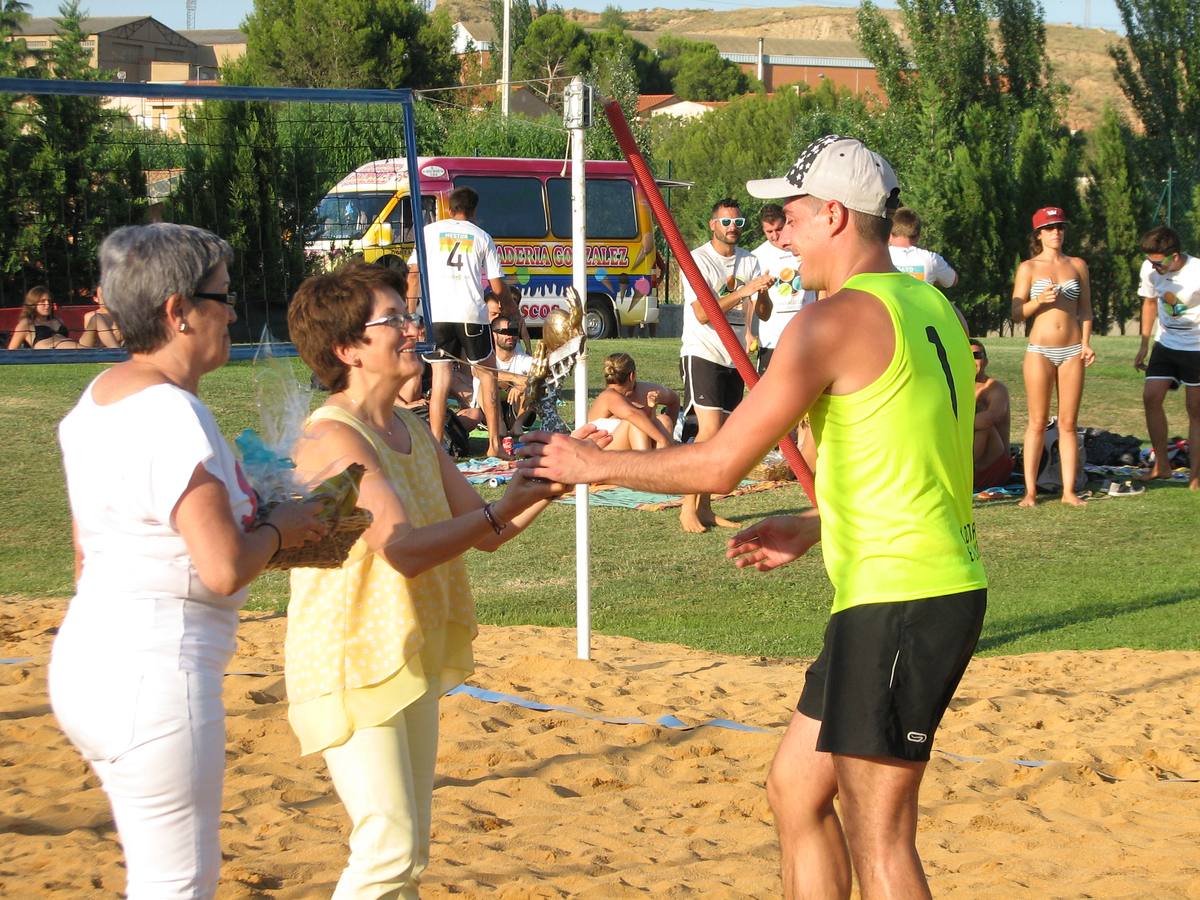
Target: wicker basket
[346, 523]
[329, 552]
[773, 470]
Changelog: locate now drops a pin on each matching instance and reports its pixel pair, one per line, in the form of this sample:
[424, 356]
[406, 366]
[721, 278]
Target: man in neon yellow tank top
[884, 370]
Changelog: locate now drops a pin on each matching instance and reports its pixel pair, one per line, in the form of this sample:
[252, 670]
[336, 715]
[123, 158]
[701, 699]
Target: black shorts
[887, 673]
[1177, 366]
[467, 341]
[709, 385]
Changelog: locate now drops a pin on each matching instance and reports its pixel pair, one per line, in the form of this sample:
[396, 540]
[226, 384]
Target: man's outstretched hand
[557, 457]
[774, 542]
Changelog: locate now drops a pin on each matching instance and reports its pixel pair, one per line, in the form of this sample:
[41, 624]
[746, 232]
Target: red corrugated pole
[645, 178]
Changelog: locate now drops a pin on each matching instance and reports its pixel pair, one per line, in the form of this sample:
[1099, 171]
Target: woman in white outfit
[164, 549]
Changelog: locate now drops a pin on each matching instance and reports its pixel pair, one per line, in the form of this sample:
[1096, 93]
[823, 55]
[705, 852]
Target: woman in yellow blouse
[371, 646]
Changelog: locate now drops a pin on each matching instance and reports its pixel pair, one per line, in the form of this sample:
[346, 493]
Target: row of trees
[546, 44]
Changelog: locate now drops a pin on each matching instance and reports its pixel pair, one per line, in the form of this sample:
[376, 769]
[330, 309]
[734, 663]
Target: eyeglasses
[396, 320]
[726, 221]
[509, 332]
[1161, 264]
[978, 354]
[229, 297]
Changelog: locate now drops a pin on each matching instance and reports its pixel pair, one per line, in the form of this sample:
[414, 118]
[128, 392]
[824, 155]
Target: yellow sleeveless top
[363, 641]
[894, 476]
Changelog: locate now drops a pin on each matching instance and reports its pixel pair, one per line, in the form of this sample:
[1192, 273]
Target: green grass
[1120, 573]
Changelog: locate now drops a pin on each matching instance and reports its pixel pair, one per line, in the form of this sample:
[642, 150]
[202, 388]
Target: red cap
[1048, 215]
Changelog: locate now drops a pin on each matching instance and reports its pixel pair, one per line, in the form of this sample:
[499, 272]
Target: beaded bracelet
[497, 525]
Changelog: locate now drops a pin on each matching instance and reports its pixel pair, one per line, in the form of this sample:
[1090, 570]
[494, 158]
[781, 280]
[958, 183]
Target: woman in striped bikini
[1053, 294]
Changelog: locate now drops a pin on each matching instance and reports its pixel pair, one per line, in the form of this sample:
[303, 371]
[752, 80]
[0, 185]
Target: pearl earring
[182, 327]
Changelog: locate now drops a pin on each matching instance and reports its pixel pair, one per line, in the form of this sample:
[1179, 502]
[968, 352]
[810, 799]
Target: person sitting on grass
[512, 370]
[627, 408]
[38, 328]
[100, 329]
[993, 462]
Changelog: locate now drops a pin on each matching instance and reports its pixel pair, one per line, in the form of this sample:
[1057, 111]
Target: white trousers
[156, 739]
[384, 777]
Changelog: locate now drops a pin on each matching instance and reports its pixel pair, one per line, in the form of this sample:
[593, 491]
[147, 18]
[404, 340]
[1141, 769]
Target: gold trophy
[563, 343]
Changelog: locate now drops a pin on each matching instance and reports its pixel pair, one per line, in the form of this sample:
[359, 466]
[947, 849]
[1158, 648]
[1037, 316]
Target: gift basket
[283, 404]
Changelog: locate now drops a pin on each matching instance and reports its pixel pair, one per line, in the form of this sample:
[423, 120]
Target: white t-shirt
[460, 256]
[787, 295]
[139, 599]
[518, 364]
[724, 274]
[1178, 295]
[923, 265]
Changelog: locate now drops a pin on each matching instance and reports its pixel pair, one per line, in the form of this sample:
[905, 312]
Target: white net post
[576, 121]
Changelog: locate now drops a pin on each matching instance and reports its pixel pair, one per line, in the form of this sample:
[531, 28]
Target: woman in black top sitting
[38, 327]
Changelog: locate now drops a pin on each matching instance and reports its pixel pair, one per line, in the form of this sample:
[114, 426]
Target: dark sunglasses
[726, 221]
[978, 354]
[1161, 264]
[229, 297]
[511, 332]
[1057, 226]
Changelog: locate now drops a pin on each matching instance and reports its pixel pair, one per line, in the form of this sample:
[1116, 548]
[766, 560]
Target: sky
[229, 13]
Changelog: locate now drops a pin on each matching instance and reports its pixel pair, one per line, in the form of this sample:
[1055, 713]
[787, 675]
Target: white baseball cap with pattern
[837, 168]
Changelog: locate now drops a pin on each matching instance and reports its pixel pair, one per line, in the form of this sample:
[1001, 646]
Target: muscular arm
[991, 407]
[817, 336]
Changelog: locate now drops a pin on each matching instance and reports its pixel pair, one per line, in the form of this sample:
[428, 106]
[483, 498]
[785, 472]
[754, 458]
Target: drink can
[507, 443]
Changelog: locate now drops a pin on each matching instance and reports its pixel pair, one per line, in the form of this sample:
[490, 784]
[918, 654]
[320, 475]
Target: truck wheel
[598, 321]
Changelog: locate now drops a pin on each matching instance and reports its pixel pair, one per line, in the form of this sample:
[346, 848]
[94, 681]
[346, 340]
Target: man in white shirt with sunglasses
[712, 386]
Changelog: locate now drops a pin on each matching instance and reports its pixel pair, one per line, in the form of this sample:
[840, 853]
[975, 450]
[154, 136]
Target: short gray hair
[142, 265]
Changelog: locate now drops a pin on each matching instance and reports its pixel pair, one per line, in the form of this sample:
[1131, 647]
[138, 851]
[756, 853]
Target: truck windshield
[345, 217]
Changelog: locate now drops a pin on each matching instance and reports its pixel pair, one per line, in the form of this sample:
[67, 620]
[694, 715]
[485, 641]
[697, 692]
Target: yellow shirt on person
[364, 641]
[895, 472]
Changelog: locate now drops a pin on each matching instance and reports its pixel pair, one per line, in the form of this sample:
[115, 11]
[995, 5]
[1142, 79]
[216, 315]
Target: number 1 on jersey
[936, 339]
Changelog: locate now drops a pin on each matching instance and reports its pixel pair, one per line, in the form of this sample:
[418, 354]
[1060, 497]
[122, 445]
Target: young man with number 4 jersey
[460, 256]
[883, 369]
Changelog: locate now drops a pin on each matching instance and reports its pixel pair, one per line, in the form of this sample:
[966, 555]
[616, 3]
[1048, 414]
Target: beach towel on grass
[624, 498]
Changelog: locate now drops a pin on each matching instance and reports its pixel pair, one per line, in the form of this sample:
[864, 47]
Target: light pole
[505, 59]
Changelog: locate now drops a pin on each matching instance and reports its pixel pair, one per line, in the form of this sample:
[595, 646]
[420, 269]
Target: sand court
[556, 804]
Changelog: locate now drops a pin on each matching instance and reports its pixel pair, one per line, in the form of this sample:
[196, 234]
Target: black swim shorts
[1177, 366]
[463, 340]
[710, 385]
[887, 673]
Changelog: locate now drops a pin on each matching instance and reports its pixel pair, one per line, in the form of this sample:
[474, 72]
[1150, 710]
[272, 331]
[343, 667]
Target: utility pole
[505, 60]
[191, 14]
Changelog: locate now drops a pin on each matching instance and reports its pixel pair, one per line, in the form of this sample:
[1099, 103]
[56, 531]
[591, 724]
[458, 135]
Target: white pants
[384, 776]
[156, 738]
